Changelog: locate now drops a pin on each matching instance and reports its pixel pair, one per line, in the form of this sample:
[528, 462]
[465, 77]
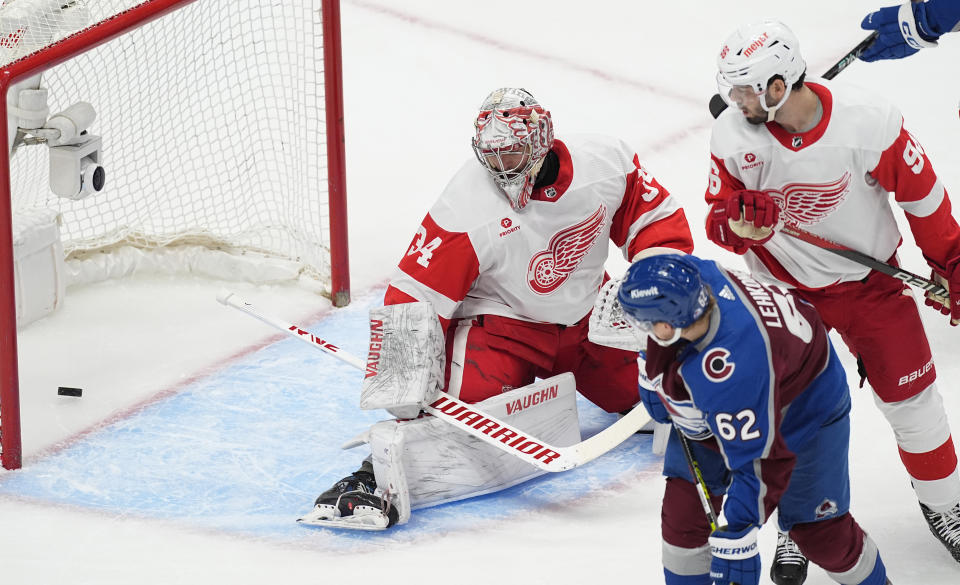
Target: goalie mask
[754, 54]
[663, 289]
[513, 136]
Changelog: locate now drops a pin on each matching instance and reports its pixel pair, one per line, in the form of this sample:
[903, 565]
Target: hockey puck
[66, 391]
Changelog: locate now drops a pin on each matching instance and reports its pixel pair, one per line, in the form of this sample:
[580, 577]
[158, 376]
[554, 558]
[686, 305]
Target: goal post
[222, 130]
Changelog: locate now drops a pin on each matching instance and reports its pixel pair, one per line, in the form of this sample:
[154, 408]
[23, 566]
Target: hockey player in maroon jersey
[746, 372]
[822, 156]
[510, 259]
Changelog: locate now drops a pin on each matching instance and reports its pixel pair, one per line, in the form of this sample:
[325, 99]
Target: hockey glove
[736, 558]
[651, 401]
[903, 30]
[752, 215]
[950, 279]
[719, 232]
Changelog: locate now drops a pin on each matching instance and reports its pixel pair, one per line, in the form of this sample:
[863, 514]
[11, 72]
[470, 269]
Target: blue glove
[651, 401]
[903, 29]
[736, 558]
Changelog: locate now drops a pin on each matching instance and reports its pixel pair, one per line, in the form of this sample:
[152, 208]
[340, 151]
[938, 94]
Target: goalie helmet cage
[221, 118]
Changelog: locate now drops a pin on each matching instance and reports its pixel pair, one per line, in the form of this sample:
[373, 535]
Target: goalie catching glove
[405, 364]
[949, 278]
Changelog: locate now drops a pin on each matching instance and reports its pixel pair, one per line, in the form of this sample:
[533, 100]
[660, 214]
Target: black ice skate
[789, 565]
[353, 503]
[946, 527]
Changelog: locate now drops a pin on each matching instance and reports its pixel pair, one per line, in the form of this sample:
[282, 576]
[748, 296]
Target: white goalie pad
[405, 363]
[426, 462]
[607, 324]
[38, 268]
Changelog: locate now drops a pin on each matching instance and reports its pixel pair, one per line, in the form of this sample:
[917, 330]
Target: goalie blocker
[406, 360]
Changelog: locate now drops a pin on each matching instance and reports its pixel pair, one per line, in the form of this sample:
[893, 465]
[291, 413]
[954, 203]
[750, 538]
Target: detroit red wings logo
[551, 267]
[810, 203]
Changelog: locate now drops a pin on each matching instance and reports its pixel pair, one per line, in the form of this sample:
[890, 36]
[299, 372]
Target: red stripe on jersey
[802, 140]
[932, 465]
[937, 235]
[395, 296]
[721, 184]
[564, 175]
[905, 170]
[445, 262]
[669, 232]
[643, 194]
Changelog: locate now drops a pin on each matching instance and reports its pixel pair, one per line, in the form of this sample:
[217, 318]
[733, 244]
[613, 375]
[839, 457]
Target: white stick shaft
[230, 299]
[468, 418]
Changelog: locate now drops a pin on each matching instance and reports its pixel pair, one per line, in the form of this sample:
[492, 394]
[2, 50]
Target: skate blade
[363, 518]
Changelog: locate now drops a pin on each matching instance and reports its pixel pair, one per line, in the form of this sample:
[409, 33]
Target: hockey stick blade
[868, 261]
[470, 419]
[718, 104]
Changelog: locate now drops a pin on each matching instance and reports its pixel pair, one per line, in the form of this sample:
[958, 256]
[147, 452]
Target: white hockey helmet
[754, 54]
[513, 134]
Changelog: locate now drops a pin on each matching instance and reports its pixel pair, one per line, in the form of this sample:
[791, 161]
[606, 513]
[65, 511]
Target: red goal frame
[11, 456]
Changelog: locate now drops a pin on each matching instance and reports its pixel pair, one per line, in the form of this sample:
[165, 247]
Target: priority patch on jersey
[716, 364]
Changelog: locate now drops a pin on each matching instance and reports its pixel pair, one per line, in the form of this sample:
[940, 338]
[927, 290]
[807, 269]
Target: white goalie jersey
[474, 255]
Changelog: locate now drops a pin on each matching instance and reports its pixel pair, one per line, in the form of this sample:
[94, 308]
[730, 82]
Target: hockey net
[214, 121]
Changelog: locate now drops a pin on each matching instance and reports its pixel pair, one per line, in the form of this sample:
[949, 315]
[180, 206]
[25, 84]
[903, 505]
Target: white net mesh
[212, 120]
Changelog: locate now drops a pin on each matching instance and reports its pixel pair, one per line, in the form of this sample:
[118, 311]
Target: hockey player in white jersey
[824, 157]
[747, 372]
[509, 259]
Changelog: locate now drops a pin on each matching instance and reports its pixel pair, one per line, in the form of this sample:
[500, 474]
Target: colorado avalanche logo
[716, 364]
[807, 204]
[826, 508]
[550, 268]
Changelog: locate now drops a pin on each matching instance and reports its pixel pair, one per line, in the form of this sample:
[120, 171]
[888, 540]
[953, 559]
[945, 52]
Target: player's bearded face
[745, 98]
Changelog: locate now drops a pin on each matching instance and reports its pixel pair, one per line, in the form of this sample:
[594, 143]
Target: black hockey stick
[718, 104]
[868, 261]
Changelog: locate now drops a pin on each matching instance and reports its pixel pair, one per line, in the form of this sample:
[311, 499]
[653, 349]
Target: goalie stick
[470, 419]
[868, 261]
[718, 104]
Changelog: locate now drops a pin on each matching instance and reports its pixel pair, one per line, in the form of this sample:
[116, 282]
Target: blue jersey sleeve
[943, 15]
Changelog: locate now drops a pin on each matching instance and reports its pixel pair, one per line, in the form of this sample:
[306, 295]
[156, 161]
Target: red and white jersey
[833, 181]
[474, 255]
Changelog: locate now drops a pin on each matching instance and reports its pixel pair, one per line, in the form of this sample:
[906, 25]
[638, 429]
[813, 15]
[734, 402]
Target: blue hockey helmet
[663, 288]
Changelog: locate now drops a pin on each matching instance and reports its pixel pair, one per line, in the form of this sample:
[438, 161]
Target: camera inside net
[76, 168]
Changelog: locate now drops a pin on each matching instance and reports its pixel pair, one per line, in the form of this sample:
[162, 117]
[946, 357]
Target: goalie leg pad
[405, 364]
[425, 462]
